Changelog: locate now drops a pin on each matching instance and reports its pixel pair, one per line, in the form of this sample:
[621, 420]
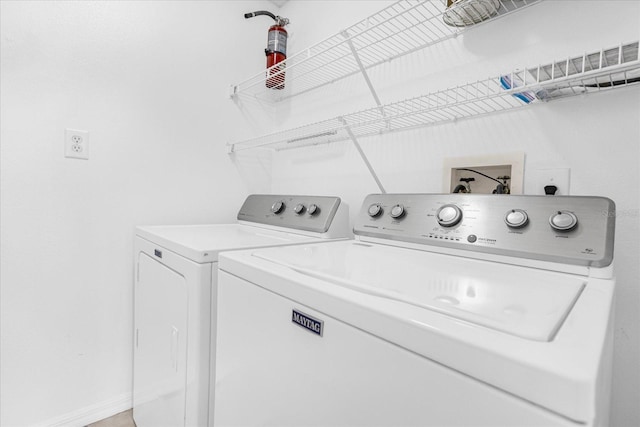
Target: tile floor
[123, 419]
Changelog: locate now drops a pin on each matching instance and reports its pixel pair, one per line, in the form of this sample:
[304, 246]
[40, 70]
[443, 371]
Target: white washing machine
[175, 290]
[446, 310]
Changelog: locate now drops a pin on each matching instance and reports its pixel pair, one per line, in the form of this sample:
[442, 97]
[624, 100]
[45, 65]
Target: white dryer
[446, 310]
[175, 298]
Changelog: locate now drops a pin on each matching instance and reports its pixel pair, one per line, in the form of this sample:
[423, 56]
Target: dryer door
[160, 347]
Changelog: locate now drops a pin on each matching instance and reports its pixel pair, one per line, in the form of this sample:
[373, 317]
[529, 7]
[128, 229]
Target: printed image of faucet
[503, 188]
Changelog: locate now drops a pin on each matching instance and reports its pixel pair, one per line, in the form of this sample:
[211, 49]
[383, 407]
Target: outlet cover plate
[560, 177]
[76, 144]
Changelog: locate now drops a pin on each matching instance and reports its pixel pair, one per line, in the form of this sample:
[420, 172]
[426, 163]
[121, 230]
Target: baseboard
[92, 413]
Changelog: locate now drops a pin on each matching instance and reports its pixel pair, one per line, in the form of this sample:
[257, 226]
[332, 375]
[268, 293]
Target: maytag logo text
[307, 322]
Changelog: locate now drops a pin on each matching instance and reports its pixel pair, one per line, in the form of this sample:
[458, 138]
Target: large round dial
[313, 209]
[516, 218]
[449, 215]
[563, 221]
[397, 211]
[374, 210]
[299, 209]
[277, 207]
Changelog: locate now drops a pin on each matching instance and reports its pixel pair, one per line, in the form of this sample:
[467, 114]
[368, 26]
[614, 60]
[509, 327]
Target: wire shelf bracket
[373, 173]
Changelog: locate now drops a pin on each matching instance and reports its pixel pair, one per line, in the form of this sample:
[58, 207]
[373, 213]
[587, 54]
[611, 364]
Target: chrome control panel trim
[482, 226]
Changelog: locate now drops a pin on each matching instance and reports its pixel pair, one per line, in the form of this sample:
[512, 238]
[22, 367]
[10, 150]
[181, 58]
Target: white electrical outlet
[558, 177]
[76, 144]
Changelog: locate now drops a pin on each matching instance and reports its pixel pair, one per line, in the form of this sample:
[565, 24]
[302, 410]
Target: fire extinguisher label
[277, 42]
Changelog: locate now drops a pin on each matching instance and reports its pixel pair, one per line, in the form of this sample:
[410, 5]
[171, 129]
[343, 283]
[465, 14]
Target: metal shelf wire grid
[399, 29]
[598, 71]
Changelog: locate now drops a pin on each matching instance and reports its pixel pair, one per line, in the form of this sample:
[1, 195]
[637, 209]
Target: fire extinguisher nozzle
[260, 12]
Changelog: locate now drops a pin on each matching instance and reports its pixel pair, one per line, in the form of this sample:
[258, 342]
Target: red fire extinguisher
[276, 50]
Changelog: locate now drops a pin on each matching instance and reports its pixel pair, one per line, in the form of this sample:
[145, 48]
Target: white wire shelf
[399, 29]
[592, 72]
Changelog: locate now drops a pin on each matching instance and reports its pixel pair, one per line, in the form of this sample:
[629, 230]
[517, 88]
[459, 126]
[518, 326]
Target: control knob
[563, 221]
[313, 209]
[374, 210]
[449, 215]
[299, 209]
[277, 207]
[397, 211]
[516, 218]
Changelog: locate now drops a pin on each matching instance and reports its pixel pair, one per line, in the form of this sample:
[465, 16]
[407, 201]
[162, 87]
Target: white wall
[149, 81]
[596, 136]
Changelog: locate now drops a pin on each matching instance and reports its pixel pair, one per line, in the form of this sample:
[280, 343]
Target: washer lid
[203, 243]
[523, 302]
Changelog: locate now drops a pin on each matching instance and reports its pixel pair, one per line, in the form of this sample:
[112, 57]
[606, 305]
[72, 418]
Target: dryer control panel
[308, 213]
[568, 229]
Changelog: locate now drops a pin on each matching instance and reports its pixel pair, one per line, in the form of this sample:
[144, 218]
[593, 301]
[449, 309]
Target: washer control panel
[309, 213]
[568, 229]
